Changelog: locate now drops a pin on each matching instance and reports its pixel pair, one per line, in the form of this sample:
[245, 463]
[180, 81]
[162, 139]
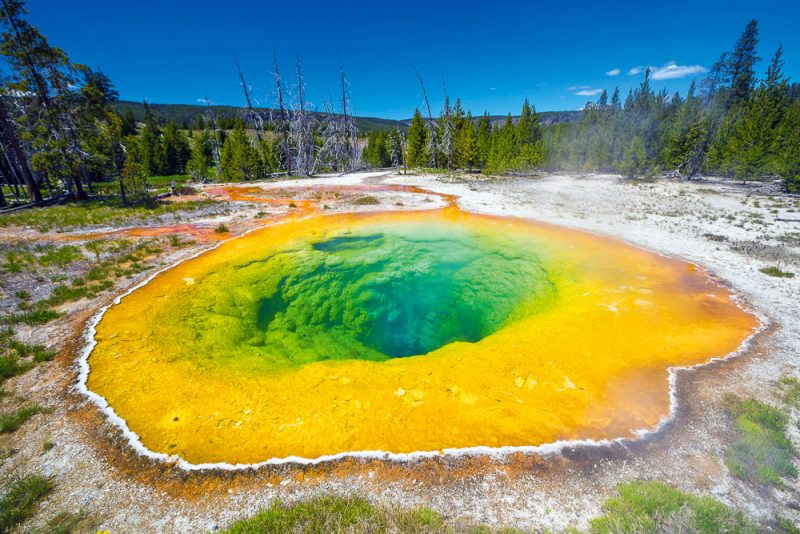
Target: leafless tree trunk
[287, 152]
[211, 118]
[398, 142]
[251, 115]
[302, 127]
[348, 131]
[10, 139]
[446, 143]
[431, 124]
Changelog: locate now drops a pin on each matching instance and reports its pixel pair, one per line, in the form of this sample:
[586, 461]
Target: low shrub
[763, 452]
[657, 507]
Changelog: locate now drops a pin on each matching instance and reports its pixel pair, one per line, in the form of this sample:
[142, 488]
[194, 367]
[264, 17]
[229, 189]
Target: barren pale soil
[730, 229]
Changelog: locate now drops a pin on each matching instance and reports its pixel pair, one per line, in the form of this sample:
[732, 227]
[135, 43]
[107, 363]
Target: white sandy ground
[674, 218]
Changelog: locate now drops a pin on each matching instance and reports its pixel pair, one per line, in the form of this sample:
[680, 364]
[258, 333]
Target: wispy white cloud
[589, 92]
[205, 101]
[673, 71]
[578, 87]
[613, 72]
[635, 71]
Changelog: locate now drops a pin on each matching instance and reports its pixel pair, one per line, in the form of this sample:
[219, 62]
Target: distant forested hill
[186, 114]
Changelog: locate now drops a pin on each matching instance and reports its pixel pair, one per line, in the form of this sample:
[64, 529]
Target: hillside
[185, 115]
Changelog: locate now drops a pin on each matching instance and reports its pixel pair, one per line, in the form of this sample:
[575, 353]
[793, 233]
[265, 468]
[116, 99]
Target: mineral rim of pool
[402, 332]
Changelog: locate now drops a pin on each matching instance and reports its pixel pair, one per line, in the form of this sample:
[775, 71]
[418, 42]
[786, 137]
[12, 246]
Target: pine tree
[177, 151]
[529, 138]
[788, 165]
[240, 159]
[615, 100]
[739, 65]
[635, 161]
[128, 123]
[201, 160]
[468, 146]
[417, 155]
[153, 151]
[484, 134]
[134, 175]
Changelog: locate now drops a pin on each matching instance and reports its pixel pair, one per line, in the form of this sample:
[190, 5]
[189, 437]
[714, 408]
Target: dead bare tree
[349, 131]
[250, 116]
[10, 139]
[287, 151]
[447, 142]
[431, 125]
[398, 147]
[211, 119]
[302, 127]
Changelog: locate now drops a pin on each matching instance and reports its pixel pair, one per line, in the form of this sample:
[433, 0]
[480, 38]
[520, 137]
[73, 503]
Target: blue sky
[491, 54]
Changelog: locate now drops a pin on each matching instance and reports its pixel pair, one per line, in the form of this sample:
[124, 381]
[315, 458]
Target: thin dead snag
[286, 148]
[398, 142]
[251, 116]
[447, 142]
[19, 163]
[302, 128]
[211, 118]
[349, 131]
[433, 152]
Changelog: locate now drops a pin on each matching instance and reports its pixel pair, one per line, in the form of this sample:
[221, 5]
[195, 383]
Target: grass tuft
[19, 499]
[12, 421]
[763, 453]
[93, 213]
[366, 201]
[221, 229]
[657, 507]
[789, 391]
[776, 272]
[339, 514]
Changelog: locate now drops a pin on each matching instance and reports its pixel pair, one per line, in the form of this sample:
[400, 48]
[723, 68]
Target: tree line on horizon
[61, 134]
[734, 124]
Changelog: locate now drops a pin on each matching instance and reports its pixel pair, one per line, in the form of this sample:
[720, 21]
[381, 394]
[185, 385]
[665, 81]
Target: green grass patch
[66, 523]
[789, 391]
[763, 453]
[366, 201]
[19, 499]
[60, 256]
[339, 514]
[17, 261]
[95, 213]
[13, 351]
[655, 507]
[12, 421]
[35, 317]
[776, 272]
[10, 366]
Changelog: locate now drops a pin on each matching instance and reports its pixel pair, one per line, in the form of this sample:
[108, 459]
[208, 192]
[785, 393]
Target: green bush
[366, 201]
[789, 391]
[655, 507]
[763, 453]
[776, 272]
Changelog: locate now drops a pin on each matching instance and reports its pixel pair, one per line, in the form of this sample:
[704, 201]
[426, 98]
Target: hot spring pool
[405, 332]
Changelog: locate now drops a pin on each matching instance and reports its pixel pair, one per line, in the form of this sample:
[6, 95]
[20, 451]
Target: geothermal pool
[404, 332]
